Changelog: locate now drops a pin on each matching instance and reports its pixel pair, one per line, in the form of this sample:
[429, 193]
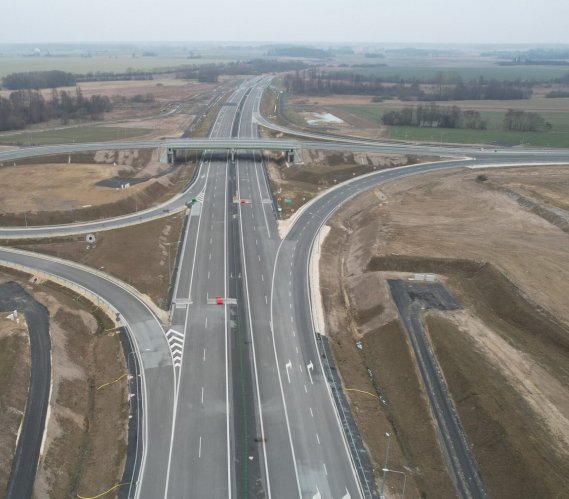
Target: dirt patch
[49, 192]
[14, 383]
[504, 357]
[515, 451]
[142, 255]
[85, 447]
[293, 185]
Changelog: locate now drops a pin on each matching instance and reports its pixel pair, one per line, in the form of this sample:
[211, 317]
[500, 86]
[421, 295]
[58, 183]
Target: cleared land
[50, 190]
[14, 383]
[84, 451]
[504, 356]
[295, 184]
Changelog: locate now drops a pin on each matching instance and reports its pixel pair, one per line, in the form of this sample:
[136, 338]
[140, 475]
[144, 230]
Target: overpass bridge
[173, 147]
[233, 145]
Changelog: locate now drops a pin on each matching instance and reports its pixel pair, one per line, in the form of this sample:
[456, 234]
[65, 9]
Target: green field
[490, 137]
[557, 137]
[72, 135]
[539, 73]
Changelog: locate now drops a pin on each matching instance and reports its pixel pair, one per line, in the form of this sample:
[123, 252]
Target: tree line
[441, 86]
[38, 79]
[28, 107]
[210, 72]
[524, 121]
[433, 116]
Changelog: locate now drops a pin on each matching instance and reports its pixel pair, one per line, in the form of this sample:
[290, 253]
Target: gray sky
[461, 21]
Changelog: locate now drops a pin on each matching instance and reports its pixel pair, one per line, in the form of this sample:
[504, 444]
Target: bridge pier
[233, 155]
[171, 156]
[294, 156]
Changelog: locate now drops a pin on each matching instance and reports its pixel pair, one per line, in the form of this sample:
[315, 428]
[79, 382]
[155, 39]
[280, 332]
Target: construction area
[293, 185]
[497, 239]
[62, 189]
[84, 449]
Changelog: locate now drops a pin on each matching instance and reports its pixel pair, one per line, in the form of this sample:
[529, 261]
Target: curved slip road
[151, 349]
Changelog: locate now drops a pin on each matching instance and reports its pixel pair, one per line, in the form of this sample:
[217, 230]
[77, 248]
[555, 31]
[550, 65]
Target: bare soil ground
[504, 356]
[84, 451]
[142, 255]
[294, 185]
[14, 384]
[52, 191]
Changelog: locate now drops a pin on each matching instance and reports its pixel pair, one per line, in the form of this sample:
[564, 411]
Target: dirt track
[506, 365]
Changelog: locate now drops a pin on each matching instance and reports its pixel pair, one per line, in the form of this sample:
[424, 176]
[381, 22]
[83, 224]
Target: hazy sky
[469, 21]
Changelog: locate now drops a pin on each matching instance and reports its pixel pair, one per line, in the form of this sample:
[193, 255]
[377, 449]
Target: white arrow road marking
[288, 366]
[317, 495]
[176, 344]
[309, 368]
[347, 496]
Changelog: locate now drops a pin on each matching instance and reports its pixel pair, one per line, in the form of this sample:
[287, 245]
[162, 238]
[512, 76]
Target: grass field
[72, 135]
[493, 137]
[540, 73]
[558, 137]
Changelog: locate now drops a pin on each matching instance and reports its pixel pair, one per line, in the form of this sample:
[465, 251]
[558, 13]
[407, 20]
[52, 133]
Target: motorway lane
[200, 464]
[259, 241]
[309, 442]
[302, 443]
[200, 453]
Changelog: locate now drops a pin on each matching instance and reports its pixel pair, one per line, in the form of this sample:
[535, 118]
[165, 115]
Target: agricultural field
[363, 117]
[72, 135]
[490, 71]
[116, 64]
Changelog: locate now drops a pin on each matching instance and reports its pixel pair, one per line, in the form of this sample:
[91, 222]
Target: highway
[235, 400]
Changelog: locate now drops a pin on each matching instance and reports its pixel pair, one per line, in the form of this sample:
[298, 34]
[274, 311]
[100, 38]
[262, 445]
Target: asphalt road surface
[411, 299]
[235, 402]
[25, 462]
